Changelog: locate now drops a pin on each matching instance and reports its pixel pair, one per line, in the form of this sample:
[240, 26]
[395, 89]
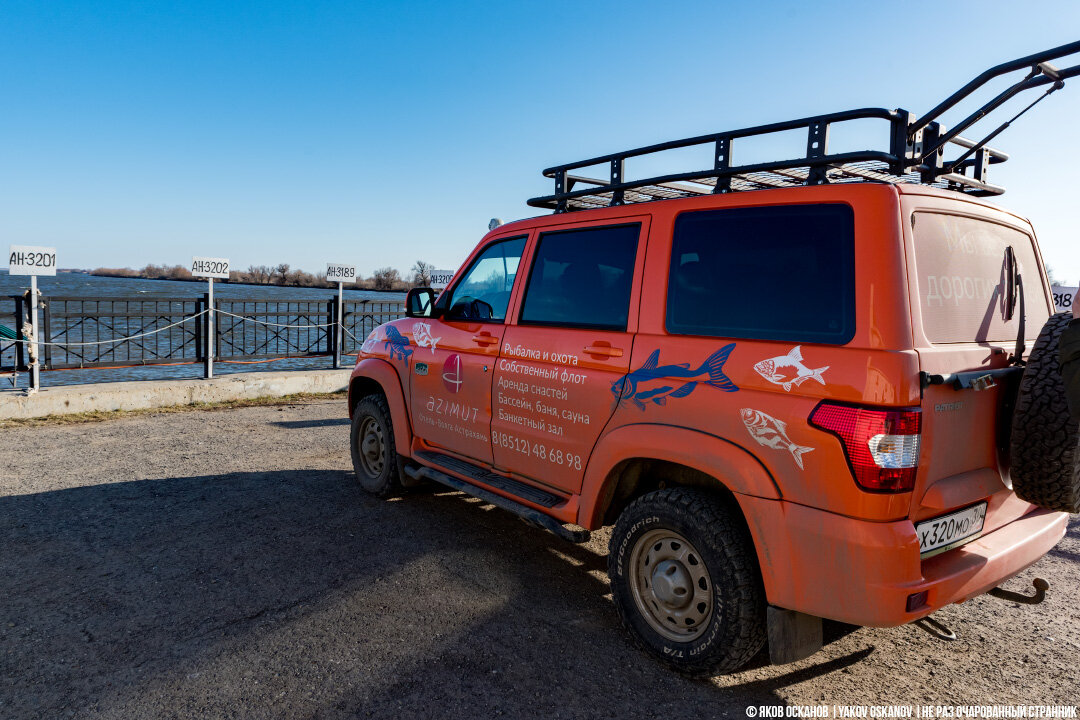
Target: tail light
[882, 446]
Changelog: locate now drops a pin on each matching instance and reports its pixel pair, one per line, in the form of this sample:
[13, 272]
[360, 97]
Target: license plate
[943, 533]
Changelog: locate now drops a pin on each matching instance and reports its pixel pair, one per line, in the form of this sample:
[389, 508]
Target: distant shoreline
[308, 282]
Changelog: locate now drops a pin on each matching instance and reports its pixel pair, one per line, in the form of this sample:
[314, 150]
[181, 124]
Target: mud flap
[792, 635]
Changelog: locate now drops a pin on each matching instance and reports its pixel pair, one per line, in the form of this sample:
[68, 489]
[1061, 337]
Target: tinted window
[960, 263]
[582, 278]
[774, 273]
[487, 283]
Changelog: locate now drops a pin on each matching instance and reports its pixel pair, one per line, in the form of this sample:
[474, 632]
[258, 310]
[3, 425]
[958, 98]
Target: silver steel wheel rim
[372, 447]
[671, 586]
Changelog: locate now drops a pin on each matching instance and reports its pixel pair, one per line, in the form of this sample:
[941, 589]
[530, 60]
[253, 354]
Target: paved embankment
[148, 394]
[224, 564]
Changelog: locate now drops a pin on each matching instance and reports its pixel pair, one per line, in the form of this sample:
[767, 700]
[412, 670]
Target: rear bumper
[862, 572]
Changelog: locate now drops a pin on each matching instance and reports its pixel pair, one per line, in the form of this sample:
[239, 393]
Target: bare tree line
[385, 279]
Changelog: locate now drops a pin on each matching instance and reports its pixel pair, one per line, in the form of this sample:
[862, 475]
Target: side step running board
[530, 515]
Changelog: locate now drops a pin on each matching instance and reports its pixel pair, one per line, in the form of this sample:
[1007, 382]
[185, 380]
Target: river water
[91, 286]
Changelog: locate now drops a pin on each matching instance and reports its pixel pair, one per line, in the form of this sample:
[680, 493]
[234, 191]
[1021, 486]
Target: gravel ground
[224, 564]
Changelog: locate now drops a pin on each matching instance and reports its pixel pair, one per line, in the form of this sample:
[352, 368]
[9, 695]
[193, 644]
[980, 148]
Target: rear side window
[582, 278]
[772, 273]
[960, 262]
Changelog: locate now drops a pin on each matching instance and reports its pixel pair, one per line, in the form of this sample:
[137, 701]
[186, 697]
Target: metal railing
[80, 332]
[360, 317]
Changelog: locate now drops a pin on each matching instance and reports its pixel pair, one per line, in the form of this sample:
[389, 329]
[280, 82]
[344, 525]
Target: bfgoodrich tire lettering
[1045, 453]
[667, 547]
[371, 441]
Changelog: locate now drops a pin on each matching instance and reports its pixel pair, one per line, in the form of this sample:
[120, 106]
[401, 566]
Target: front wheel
[374, 458]
[686, 582]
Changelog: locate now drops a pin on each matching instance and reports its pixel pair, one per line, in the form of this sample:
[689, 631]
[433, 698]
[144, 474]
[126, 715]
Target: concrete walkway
[145, 394]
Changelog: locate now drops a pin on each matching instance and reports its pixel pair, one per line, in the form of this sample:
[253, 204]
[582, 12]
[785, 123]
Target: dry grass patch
[100, 415]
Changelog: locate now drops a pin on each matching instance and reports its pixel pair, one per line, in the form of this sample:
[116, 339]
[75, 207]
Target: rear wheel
[1045, 457]
[374, 458]
[686, 582]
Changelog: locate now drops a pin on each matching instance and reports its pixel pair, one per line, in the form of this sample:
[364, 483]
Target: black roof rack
[916, 152]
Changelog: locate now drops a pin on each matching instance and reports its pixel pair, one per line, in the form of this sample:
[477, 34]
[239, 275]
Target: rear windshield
[960, 263]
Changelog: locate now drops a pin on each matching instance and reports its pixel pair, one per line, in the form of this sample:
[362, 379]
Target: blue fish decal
[710, 373]
[397, 344]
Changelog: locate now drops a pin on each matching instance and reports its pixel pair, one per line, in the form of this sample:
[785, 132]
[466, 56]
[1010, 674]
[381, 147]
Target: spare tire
[1045, 448]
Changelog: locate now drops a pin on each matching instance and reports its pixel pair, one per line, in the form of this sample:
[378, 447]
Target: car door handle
[485, 338]
[604, 351]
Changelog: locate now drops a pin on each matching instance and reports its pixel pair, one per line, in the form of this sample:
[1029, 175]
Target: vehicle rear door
[964, 330]
[569, 347]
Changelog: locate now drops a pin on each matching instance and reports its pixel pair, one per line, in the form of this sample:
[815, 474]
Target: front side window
[772, 273]
[484, 291]
[582, 278]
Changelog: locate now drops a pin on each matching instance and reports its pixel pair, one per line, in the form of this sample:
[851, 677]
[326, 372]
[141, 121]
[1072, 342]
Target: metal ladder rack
[916, 151]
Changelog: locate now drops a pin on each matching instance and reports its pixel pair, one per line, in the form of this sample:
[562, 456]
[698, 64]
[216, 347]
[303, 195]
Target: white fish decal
[369, 344]
[421, 333]
[770, 432]
[772, 370]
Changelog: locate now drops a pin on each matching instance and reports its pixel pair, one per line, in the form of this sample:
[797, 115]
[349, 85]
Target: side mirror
[469, 308]
[482, 310]
[419, 302]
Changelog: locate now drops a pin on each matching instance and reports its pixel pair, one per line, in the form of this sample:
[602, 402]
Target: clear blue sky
[380, 133]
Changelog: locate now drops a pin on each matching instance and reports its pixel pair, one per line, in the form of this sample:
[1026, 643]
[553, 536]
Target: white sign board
[340, 273]
[1064, 298]
[31, 260]
[210, 267]
[441, 278]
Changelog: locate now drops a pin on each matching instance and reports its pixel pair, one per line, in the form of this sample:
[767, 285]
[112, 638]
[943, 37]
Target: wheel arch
[378, 376]
[635, 459]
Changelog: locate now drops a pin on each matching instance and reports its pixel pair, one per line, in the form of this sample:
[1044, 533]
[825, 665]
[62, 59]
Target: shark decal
[397, 344]
[421, 333]
[710, 373]
[788, 370]
[772, 433]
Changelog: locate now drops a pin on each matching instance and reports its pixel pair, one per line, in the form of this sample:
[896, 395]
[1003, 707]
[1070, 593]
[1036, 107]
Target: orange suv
[789, 386]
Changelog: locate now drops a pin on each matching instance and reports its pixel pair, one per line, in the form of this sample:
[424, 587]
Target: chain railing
[79, 332]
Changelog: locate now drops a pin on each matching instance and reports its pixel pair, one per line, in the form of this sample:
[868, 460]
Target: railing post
[46, 321]
[35, 351]
[198, 330]
[211, 330]
[339, 325]
[20, 333]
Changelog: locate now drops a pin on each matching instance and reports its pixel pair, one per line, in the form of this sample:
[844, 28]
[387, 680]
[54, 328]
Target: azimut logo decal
[451, 373]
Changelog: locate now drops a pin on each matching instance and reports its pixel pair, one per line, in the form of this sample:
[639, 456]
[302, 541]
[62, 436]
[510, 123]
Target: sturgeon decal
[772, 433]
[397, 344]
[773, 370]
[421, 333]
[710, 373]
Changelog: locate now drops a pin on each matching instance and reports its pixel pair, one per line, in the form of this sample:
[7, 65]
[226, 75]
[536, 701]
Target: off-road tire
[1045, 450]
[735, 630]
[378, 476]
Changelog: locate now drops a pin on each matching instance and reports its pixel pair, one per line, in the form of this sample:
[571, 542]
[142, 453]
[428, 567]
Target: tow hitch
[1041, 586]
[943, 632]
[935, 628]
